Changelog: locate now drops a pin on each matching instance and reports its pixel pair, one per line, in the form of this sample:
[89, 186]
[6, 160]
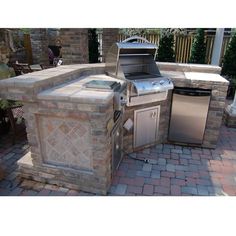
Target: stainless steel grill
[134, 62]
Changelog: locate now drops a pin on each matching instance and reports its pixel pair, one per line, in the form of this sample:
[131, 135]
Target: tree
[229, 60]
[198, 50]
[165, 51]
[93, 46]
[229, 66]
[128, 32]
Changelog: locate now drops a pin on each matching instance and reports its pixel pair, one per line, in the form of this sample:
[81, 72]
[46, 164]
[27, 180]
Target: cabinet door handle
[153, 114]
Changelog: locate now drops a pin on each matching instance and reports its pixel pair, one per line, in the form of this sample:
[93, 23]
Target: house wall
[109, 37]
[39, 45]
[74, 44]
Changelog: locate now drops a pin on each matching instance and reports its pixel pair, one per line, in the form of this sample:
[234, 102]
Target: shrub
[229, 60]
[165, 51]
[6, 72]
[198, 50]
[93, 46]
[229, 66]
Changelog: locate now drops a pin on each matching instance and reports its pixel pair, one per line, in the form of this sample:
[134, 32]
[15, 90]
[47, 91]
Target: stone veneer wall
[109, 36]
[39, 45]
[70, 119]
[74, 44]
[70, 145]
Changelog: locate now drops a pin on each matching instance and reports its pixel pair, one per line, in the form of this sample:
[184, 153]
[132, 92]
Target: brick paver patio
[172, 170]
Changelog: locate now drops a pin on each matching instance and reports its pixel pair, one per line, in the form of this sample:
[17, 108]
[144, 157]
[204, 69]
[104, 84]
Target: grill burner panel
[153, 85]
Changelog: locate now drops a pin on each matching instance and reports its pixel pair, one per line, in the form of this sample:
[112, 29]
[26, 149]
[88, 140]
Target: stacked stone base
[61, 177]
[229, 119]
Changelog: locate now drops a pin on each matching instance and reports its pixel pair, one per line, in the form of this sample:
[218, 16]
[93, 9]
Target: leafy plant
[233, 82]
[6, 72]
[25, 30]
[198, 50]
[4, 104]
[229, 60]
[229, 65]
[165, 51]
[133, 31]
[4, 119]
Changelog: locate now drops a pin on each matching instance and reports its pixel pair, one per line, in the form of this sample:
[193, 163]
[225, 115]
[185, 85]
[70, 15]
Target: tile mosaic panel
[65, 142]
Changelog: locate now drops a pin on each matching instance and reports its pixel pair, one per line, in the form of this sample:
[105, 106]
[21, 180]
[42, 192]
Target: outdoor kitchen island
[192, 76]
[74, 131]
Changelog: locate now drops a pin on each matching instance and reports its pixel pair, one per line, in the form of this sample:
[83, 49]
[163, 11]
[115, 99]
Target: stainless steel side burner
[134, 62]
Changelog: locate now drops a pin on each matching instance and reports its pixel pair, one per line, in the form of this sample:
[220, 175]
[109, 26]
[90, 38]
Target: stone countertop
[65, 82]
[74, 91]
[188, 67]
[189, 78]
[32, 80]
[209, 77]
[26, 87]
[42, 77]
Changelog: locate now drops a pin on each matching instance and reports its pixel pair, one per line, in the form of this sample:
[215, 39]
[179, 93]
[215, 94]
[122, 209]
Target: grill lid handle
[134, 38]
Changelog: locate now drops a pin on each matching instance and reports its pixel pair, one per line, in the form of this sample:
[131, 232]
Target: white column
[215, 59]
[232, 107]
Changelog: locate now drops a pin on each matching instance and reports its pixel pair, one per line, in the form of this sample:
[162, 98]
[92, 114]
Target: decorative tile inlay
[64, 128]
[65, 142]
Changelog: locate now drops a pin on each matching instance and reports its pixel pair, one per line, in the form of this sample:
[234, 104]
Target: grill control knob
[123, 101]
[162, 82]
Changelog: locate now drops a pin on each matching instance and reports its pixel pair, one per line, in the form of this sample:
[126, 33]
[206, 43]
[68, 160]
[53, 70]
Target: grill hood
[127, 57]
[135, 63]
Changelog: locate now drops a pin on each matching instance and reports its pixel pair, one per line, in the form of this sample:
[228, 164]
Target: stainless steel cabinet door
[146, 123]
[188, 118]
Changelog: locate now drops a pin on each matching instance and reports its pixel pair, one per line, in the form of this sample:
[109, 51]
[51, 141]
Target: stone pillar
[74, 44]
[39, 45]
[109, 36]
[215, 60]
[230, 114]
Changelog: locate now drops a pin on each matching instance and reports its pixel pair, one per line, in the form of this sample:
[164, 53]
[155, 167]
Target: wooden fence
[183, 44]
